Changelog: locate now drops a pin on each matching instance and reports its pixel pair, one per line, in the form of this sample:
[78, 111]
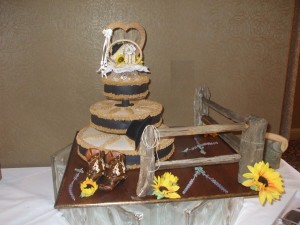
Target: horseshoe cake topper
[130, 26]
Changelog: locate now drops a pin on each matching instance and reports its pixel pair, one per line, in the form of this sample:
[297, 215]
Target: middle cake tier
[111, 117]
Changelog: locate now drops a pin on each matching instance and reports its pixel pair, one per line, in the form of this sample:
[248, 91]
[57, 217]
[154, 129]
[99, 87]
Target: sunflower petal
[173, 195]
[262, 197]
[248, 175]
[269, 197]
[248, 183]
[251, 169]
[174, 188]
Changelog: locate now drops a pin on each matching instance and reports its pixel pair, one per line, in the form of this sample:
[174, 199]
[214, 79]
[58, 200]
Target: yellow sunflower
[120, 59]
[165, 186]
[88, 187]
[265, 180]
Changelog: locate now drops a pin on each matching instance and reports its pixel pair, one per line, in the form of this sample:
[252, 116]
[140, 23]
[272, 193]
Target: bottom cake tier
[89, 137]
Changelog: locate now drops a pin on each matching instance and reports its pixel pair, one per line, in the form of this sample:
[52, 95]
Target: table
[67, 161]
[27, 197]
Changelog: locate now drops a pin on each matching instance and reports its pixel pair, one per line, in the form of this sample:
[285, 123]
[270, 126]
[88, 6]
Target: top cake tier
[128, 86]
[122, 66]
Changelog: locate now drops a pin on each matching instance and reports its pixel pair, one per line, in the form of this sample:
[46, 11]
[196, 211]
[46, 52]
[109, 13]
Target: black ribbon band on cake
[125, 90]
[119, 124]
[135, 159]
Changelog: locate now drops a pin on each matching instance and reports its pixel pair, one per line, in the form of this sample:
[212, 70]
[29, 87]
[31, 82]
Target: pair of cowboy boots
[110, 167]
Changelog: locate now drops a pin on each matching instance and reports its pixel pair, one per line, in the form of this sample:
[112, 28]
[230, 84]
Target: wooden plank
[232, 140]
[284, 143]
[200, 109]
[223, 111]
[203, 161]
[201, 115]
[205, 129]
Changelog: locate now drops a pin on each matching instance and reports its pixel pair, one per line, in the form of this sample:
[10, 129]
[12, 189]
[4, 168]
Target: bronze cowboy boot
[95, 159]
[115, 171]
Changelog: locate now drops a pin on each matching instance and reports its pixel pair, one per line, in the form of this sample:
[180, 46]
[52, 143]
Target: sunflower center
[162, 188]
[89, 186]
[263, 180]
[120, 59]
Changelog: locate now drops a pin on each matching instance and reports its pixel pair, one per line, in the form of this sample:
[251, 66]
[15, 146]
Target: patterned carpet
[292, 154]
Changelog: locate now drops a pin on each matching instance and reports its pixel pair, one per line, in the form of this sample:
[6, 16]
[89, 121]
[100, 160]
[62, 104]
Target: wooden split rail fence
[249, 147]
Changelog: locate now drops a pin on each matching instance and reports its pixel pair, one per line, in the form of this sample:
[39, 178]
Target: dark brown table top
[124, 193]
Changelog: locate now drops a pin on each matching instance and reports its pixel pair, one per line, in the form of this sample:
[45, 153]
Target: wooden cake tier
[125, 86]
[125, 192]
[89, 137]
[109, 116]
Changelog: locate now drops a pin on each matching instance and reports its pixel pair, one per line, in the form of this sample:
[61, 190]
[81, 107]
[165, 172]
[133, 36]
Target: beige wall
[50, 50]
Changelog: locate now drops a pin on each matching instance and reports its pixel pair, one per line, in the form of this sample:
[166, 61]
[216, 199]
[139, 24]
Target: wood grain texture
[252, 144]
[130, 26]
[216, 160]
[204, 129]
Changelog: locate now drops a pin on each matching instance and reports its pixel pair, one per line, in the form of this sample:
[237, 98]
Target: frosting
[125, 79]
[126, 86]
[108, 109]
[108, 116]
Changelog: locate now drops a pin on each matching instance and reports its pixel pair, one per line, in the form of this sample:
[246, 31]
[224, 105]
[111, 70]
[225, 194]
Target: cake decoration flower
[265, 180]
[166, 186]
[120, 59]
[137, 58]
[88, 187]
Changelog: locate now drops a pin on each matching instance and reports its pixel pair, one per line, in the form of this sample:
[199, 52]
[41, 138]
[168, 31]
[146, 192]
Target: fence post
[147, 163]
[200, 109]
[252, 144]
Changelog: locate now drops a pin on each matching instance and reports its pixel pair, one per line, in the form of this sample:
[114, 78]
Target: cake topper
[122, 55]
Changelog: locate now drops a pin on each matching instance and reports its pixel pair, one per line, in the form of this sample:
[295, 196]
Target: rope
[155, 143]
[103, 64]
[156, 137]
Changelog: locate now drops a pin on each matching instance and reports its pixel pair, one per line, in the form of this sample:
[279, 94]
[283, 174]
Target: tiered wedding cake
[126, 88]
